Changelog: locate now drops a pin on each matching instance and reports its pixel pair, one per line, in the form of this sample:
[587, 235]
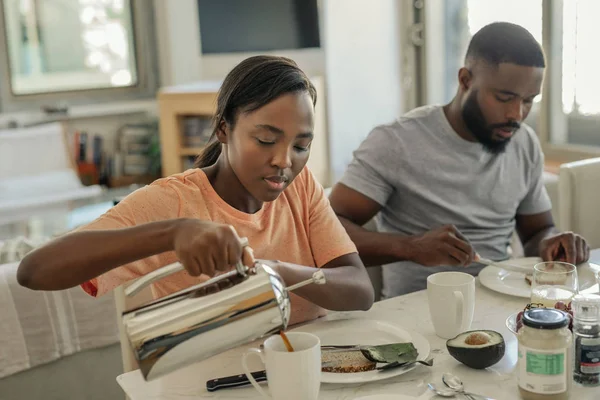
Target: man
[451, 183]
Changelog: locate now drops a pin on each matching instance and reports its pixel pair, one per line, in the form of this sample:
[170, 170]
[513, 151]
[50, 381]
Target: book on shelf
[133, 155]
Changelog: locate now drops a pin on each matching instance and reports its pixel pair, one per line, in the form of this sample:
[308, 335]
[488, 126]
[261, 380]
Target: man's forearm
[377, 248]
[532, 247]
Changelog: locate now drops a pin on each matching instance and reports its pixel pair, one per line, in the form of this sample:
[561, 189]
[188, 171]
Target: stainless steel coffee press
[191, 325]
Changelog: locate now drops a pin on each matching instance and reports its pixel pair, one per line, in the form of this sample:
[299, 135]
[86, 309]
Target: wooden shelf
[176, 103]
[190, 151]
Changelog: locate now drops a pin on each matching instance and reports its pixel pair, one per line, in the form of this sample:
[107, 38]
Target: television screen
[228, 26]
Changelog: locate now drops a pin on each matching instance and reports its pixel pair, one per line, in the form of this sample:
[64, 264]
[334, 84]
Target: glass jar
[544, 370]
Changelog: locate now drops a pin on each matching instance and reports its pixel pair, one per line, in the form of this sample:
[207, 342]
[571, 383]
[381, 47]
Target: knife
[234, 381]
[237, 380]
[506, 266]
[261, 376]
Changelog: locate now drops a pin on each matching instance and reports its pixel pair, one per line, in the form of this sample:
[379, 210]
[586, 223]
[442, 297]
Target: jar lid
[545, 318]
[586, 307]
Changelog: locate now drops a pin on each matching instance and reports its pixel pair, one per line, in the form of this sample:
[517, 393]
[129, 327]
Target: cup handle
[249, 374]
[459, 300]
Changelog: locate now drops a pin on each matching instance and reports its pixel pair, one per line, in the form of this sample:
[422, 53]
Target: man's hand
[442, 246]
[567, 246]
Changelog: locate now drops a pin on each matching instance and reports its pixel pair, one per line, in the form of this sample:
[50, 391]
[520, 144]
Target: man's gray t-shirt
[425, 176]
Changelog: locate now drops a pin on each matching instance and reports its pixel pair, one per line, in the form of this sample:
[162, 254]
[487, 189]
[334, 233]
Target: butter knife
[261, 376]
[505, 265]
[234, 381]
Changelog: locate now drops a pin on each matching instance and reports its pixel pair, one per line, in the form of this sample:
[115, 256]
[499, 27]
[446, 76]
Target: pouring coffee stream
[318, 278]
[194, 324]
[286, 342]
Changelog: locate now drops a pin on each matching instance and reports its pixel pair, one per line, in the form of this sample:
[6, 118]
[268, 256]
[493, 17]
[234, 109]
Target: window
[569, 36]
[581, 84]
[61, 52]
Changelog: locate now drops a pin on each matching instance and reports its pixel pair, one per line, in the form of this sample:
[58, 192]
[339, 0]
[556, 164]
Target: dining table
[411, 312]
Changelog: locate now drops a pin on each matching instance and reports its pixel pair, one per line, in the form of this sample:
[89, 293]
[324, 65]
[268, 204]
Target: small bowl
[511, 322]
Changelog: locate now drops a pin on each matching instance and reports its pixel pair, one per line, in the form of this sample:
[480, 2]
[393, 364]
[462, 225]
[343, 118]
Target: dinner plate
[365, 332]
[514, 284]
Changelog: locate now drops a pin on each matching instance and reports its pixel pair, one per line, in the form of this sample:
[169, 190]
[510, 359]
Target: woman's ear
[223, 132]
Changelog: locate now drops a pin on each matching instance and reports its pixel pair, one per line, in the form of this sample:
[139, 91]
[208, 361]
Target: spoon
[441, 392]
[454, 383]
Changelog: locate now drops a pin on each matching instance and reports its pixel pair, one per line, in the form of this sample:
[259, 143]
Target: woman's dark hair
[252, 84]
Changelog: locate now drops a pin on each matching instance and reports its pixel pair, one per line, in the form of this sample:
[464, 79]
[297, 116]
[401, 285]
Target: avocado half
[477, 349]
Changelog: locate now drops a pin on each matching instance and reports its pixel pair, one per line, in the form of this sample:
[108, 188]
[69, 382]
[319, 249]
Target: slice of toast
[345, 362]
[547, 279]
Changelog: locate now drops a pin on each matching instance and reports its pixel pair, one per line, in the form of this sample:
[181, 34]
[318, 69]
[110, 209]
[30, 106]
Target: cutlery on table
[261, 376]
[506, 266]
[454, 383]
[396, 364]
[234, 381]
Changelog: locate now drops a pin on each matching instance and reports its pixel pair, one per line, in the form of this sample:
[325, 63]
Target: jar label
[589, 351]
[542, 371]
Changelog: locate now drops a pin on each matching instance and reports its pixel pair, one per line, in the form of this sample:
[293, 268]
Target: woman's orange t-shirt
[298, 227]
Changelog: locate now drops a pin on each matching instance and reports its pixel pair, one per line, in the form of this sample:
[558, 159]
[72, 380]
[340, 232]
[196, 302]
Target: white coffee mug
[291, 375]
[451, 298]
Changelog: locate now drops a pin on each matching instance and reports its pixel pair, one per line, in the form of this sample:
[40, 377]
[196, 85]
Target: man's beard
[478, 126]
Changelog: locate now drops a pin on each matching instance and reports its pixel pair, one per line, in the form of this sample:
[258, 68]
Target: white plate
[511, 322]
[514, 283]
[385, 397]
[364, 332]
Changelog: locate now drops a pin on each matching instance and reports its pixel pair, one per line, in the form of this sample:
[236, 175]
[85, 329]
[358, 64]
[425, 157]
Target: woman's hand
[205, 247]
[348, 285]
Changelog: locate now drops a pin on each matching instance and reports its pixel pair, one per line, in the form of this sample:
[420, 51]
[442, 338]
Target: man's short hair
[503, 42]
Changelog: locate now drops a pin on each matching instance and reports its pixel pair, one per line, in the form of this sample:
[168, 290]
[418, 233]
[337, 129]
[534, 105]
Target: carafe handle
[170, 269]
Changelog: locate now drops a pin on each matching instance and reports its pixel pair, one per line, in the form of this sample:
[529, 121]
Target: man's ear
[465, 78]
[223, 132]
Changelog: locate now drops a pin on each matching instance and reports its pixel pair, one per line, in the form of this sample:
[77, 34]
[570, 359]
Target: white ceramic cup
[291, 375]
[451, 298]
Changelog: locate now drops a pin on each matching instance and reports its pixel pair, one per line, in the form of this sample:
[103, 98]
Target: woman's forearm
[347, 287]
[80, 256]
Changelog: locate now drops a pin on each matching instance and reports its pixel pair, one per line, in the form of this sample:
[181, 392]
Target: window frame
[145, 47]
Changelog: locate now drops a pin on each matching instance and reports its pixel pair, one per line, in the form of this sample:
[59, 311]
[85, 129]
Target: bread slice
[547, 279]
[345, 362]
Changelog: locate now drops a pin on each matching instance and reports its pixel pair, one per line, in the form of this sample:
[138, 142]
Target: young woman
[251, 181]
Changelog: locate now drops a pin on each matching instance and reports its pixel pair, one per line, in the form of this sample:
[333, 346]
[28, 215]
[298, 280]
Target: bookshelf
[180, 105]
[183, 109]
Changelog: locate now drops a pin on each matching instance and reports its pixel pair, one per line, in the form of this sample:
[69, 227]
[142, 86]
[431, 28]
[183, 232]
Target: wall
[363, 70]
[180, 55]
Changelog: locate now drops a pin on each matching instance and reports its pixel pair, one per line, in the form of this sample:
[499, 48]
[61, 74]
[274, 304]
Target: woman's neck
[227, 185]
